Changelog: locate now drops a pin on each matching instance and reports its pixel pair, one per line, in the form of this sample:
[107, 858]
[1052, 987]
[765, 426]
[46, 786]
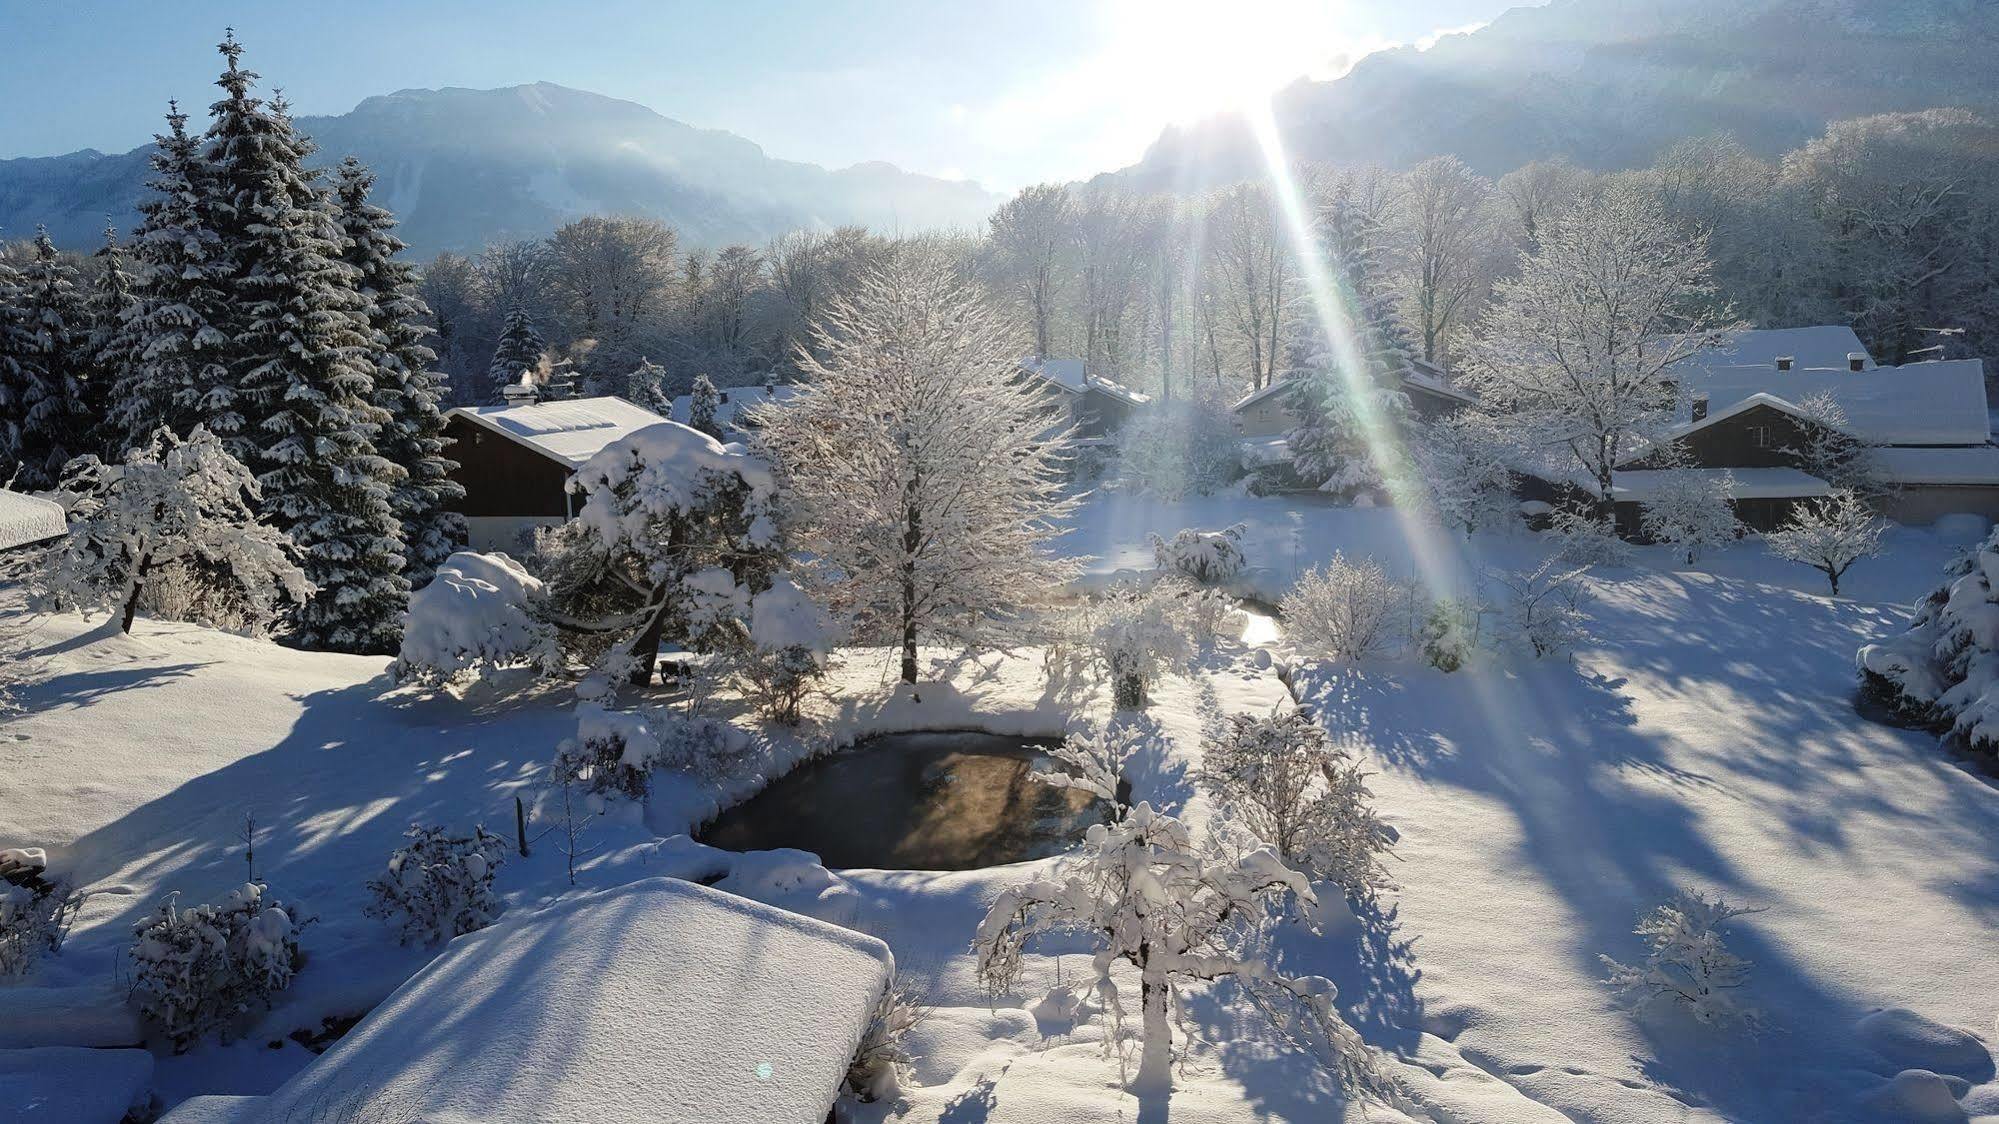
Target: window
[1759, 436]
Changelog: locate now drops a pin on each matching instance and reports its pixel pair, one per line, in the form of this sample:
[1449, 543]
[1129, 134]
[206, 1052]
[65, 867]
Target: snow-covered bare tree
[1092, 759]
[1691, 511]
[1285, 781]
[406, 387]
[1468, 472]
[1177, 913]
[1445, 218]
[1031, 239]
[1687, 964]
[171, 508]
[1829, 535]
[923, 467]
[1534, 195]
[1137, 635]
[1251, 266]
[1577, 352]
[1544, 611]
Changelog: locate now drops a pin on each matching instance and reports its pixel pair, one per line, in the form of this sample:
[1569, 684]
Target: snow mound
[73, 1085]
[474, 613]
[793, 880]
[658, 1000]
[1911, 1041]
[1917, 1096]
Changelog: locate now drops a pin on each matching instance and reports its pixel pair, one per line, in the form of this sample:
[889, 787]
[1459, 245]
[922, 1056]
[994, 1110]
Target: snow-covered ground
[1704, 735]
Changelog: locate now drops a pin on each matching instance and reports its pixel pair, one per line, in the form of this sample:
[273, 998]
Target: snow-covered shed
[1267, 412]
[26, 520]
[515, 460]
[1092, 406]
[660, 1000]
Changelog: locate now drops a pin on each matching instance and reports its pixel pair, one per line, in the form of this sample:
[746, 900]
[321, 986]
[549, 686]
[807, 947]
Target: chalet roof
[570, 431]
[1421, 376]
[26, 519]
[1973, 464]
[1750, 483]
[1823, 346]
[1073, 376]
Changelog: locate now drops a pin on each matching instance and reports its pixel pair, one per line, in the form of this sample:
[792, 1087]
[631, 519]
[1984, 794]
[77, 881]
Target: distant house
[731, 410]
[1927, 423]
[27, 520]
[515, 461]
[1093, 407]
[1268, 412]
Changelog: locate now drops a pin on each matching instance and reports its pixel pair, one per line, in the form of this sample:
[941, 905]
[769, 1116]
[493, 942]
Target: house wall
[1731, 444]
[504, 478]
[1099, 414]
[1267, 418]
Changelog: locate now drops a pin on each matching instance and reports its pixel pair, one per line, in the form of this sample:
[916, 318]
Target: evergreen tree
[14, 371]
[702, 404]
[645, 387]
[406, 386]
[57, 418]
[300, 359]
[519, 352]
[113, 312]
[178, 375]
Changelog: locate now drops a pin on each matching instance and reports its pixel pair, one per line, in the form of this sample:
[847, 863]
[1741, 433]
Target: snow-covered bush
[439, 886]
[35, 917]
[1829, 535]
[1093, 759]
[478, 613]
[1206, 557]
[703, 402]
[1342, 610]
[882, 1060]
[1177, 913]
[708, 748]
[1285, 781]
[1944, 671]
[1584, 538]
[785, 653]
[1546, 608]
[1467, 470]
[612, 754]
[1174, 450]
[1692, 511]
[1137, 635]
[171, 507]
[1448, 633]
[1687, 964]
[200, 970]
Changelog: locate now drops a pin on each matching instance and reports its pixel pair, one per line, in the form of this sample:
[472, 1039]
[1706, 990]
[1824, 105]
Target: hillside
[466, 167]
[1609, 83]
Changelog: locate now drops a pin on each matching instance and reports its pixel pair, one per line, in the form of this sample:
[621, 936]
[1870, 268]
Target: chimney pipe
[1855, 361]
[1786, 362]
[522, 393]
[1700, 407]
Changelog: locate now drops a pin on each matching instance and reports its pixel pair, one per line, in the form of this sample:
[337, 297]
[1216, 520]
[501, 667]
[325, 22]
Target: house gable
[504, 477]
[1768, 433]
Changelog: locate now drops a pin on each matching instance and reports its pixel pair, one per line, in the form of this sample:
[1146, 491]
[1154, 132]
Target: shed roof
[570, 431]
[1750, 483]
[1073, 375]
[658, 1000]
[26, 519]
[1970, 464]
[1820, 345]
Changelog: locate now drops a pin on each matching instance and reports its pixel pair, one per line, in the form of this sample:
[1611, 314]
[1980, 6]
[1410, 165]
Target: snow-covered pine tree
[645, 387]
[922, 463]
[301, 362]
[58, 419]
[406, 386]
[702, 402]
[178, 376]
[1348, 396]
[14, 344]
[112, 310]
[519, 352]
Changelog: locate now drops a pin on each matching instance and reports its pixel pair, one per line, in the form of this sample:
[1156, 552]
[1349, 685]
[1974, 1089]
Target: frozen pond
[922, 801]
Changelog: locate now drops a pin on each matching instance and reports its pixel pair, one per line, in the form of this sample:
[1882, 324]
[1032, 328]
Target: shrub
[1285, 781]
[1829, 535]
[1688, 965]
[1179, 449]
[1093, 759]
[1584, 538]
[1449, 633]
[1342, 610]
[440, 886]
[1545, 609]
[709, 748]
[1206, 557]
[201, 970]
[1138, 634]
[612, 754]
[34, 920]
[1692, 512]
[479, 612]
[882, 1060]
[785, 651]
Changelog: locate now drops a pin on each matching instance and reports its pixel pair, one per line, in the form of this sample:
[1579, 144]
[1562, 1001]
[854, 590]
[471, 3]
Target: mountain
[1610, 83]
[463, 168]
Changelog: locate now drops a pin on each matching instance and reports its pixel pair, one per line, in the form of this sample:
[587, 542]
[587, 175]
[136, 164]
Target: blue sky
[1004, 93]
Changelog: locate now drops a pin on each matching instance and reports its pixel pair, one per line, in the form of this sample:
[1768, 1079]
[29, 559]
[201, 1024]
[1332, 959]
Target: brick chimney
[522, 393]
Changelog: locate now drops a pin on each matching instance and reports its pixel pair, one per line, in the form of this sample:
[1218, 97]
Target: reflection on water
[932, 801]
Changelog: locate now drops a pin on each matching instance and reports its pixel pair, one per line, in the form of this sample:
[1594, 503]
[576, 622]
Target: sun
[1196, 59]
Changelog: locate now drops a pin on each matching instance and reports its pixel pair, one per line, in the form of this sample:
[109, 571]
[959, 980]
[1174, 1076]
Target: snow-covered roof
[1824, 346]
[1972, 464]
[571, 431]
[1936, 403]
[1074, 376]
[28, 519]
[735, 399]
[1420, 376]
[1750, 483]
[658, 1000]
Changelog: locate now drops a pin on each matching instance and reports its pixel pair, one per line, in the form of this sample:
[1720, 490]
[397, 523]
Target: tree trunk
[912, 540]
[138, 584]
[1155, 1058]
[645, 646]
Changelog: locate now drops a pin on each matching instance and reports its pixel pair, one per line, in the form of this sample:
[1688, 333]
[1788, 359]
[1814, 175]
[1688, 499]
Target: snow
[1823, 346]
[1975, 464]
[665, 1001]
[734, 400]
[1750, 483]
[69, 1085]
[28, 519]
[1935, 403]
[783, 616]
[571, 431]
[474, 612]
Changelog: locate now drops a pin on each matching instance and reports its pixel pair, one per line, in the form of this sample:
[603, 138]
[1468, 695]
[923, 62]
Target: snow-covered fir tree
[14, 371]
[58, 417]
[645, 388]
[170, 510]
[178, 375]
[300, 358]
[112, 310]
[921, 463]
[520, 350]
[406, 387]
[702, 403]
